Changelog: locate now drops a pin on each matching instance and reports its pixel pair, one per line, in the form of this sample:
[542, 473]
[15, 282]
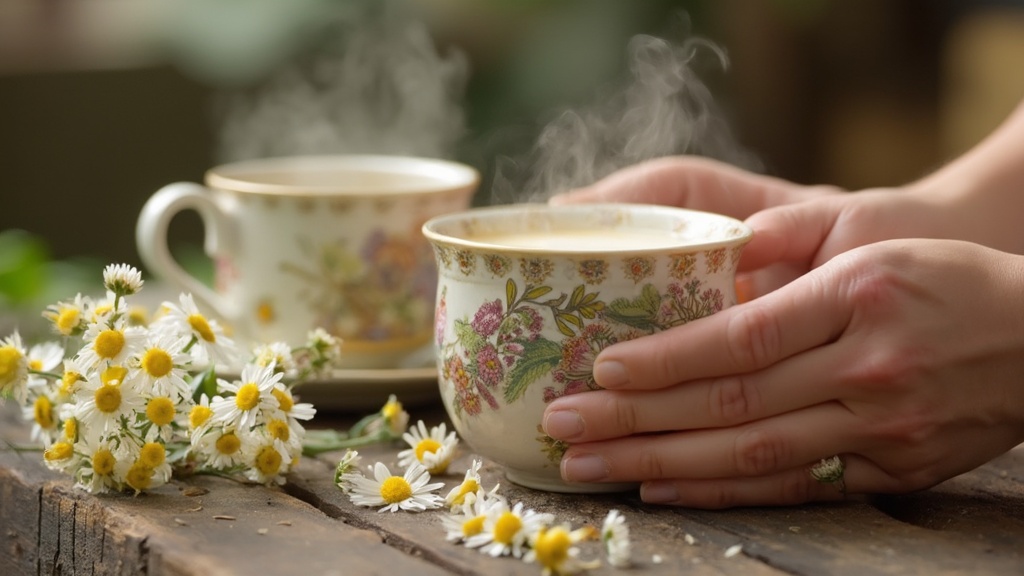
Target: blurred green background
[104, 101]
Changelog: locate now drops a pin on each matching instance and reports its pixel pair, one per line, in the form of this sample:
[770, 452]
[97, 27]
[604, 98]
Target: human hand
[903, 357]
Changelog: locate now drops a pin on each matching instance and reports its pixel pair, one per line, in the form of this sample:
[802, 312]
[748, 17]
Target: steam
[663, 109]
[380, 87]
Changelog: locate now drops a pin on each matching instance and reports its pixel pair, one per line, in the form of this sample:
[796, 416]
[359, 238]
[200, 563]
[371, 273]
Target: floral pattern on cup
[381, 290]
[507, 344]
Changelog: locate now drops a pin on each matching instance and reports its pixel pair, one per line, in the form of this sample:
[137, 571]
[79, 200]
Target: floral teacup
[306, 242]
[528, 295]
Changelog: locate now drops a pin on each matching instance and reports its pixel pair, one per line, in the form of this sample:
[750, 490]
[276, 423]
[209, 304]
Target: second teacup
[308, 242]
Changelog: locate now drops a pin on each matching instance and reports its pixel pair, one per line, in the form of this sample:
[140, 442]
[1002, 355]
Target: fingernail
[584, 468]
[563, 424]
[659, 492]
[610, 374]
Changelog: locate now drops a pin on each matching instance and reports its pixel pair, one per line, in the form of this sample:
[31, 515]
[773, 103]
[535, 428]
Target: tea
[586, 240]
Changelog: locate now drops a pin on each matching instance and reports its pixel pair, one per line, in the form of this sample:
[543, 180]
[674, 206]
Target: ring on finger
[831, 471]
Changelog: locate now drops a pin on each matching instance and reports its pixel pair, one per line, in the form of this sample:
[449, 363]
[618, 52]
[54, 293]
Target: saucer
[366, 390]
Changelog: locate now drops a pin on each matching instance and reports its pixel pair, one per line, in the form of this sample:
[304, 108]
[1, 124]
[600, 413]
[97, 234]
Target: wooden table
[972, 524]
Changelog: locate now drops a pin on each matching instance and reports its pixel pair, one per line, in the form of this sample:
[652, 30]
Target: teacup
[529, 294]
[308, 242]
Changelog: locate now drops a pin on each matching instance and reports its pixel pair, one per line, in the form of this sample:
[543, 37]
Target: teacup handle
[151, 240]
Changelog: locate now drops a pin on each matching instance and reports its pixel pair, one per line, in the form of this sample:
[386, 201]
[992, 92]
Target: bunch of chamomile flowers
[121, 401]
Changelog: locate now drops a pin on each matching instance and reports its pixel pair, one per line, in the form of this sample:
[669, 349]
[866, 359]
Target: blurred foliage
[30, 280]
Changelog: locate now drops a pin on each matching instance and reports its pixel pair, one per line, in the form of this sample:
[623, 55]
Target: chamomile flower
[159, 368]
[467, 519]
[433, 449]
[252, 396]
[43, 412]
[221, 448]
[287, 432]
[109, 343]
[162, 414]
[122, 279]
[13, 368]
[103, 406]
[73, 375]
[615, 537]
[554, 548]
[325, 346]
[507, 531]
[268, 460]
[278, 354]
[391, 417]
[149, 469]
[469, 487]
[99, 460]
[211, 344]
[412, 491]
[287, 405]
[200, 417]
[348, 463]
[69, 318]
[60, 456]
[44, 357]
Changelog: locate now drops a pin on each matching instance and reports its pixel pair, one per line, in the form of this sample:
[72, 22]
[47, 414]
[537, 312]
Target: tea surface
[616, 239]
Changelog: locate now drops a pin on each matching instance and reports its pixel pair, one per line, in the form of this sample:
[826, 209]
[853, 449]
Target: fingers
[691, 182]
[760, 448]
[785, 488]
[802, 315]
[708, 403]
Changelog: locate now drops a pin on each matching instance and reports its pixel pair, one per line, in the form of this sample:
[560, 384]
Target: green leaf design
[540, 356]
[537, 292]
[469, 338]
[639, 312]
[510, 293]
[577, 296]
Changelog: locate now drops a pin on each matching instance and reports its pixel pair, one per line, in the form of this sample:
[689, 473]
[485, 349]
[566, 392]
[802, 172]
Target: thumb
[792, 233]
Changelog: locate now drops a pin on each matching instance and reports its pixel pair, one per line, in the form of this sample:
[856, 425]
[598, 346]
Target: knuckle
[649, 464]
[753, 337]
[733, 400]
[759, 452]
[624, 414]
[719, 496]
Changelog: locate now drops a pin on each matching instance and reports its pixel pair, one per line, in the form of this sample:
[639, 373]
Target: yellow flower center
[279, 429]
[473, 526]
[152, 454]
[395, 489]
[71, 429]
[268, 461]
[108, 398]
[391, 410]
[139, 476]
[102, 310]
[10, 359]
[108, 344]
[506, 528]
[284, 399]
[113, 375]
[67, 383]
[552, 547]
[469, 486]
[67, 320]
[138, 316]
[59, 451]
[202, 327]
[228, 444]
[36, 365]
[157, 363]
[248, 397]
[103, 462]
[426, 445]
[160, 411]
[42, 409]
[198, 416]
